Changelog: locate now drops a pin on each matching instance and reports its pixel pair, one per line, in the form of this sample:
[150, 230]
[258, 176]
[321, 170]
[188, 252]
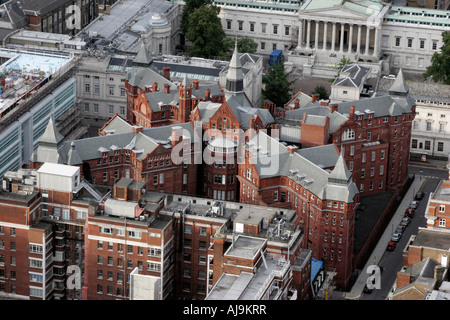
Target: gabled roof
[142, 77]
[352, 75]
[271, 158]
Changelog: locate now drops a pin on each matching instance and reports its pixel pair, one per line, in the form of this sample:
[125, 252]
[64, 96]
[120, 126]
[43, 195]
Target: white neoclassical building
[318, 33]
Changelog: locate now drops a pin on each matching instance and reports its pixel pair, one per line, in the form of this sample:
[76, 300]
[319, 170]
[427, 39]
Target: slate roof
[242, 113]
[271, 158]
[352, 75]
[140, 143]
[142, 77]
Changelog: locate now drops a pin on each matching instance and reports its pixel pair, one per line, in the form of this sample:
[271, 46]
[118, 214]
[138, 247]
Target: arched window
[348, 134]
[143, 108]
[224, 124]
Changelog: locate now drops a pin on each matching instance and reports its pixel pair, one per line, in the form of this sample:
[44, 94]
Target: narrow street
[391, 262]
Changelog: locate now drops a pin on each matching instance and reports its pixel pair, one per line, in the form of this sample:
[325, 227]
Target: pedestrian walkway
[380, 248]
[430, 163]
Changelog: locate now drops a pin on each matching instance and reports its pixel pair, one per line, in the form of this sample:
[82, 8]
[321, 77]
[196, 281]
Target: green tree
[188, 9]
[206, 32]
[278, 86]
[342, 63]
[322, 91]
[245, 45]
[439, 70]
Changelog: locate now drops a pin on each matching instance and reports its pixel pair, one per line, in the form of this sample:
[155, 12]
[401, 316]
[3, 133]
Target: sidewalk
[430, 163]
[380, 248]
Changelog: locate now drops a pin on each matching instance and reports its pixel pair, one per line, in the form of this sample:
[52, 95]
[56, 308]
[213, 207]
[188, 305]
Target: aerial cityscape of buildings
[131, 170]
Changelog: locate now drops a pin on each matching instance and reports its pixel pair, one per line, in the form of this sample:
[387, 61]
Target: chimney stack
[177, 135]
[195, 84]
[333, 107]
[352, 112]
[297, 103]
[292, 149]
[315, 97]
[207, 94]
[155, 87]
[166, 73]
[166, 88]
[137, 129]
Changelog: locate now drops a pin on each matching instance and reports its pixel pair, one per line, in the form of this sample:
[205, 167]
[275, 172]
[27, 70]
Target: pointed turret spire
[340, 173]
[143, 58]
[235, 76]
[399, 88]
[49, 145]
[51, 134]
[185, 81]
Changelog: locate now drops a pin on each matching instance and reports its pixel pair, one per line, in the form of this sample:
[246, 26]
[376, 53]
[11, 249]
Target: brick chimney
[297, 103]
[195, 84]
[138, 129]
[177, 135]
[207, 94]
[155, 87]
[352, 112]
[333, 107]
[166, 73]
[292, 149]
[166, 88]
[315, 97]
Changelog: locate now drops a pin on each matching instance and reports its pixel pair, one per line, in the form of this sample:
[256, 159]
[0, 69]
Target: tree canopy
[322, 91]
[278, 86]
[188, 9]
[344, 61]
[244, 44]
[205, 32]
[439, 70]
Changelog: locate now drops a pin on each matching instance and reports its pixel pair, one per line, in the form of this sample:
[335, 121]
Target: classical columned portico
[333, 37]
[300, 34]
[358, 43]
[350, 39]
[367, 40]
[308, 35]
[325, 31]
[316, 37]
[341, 42]
[345, 40]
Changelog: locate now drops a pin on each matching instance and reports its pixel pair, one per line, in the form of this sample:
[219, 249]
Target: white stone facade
[431, 129]
[320, 33]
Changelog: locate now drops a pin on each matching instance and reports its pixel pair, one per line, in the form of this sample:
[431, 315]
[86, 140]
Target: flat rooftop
[432, 239]
[122, 13]
[442, 192]
[245, 247]
[58, 169]
[249, 286]
[25, 71]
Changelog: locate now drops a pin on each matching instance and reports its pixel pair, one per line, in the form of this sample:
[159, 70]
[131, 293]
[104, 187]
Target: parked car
[367, 290]
[396, 237]
[420, 195]
[391, 246]
[414, 204]
[400, 229]
[409, 212]
[405, 221]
